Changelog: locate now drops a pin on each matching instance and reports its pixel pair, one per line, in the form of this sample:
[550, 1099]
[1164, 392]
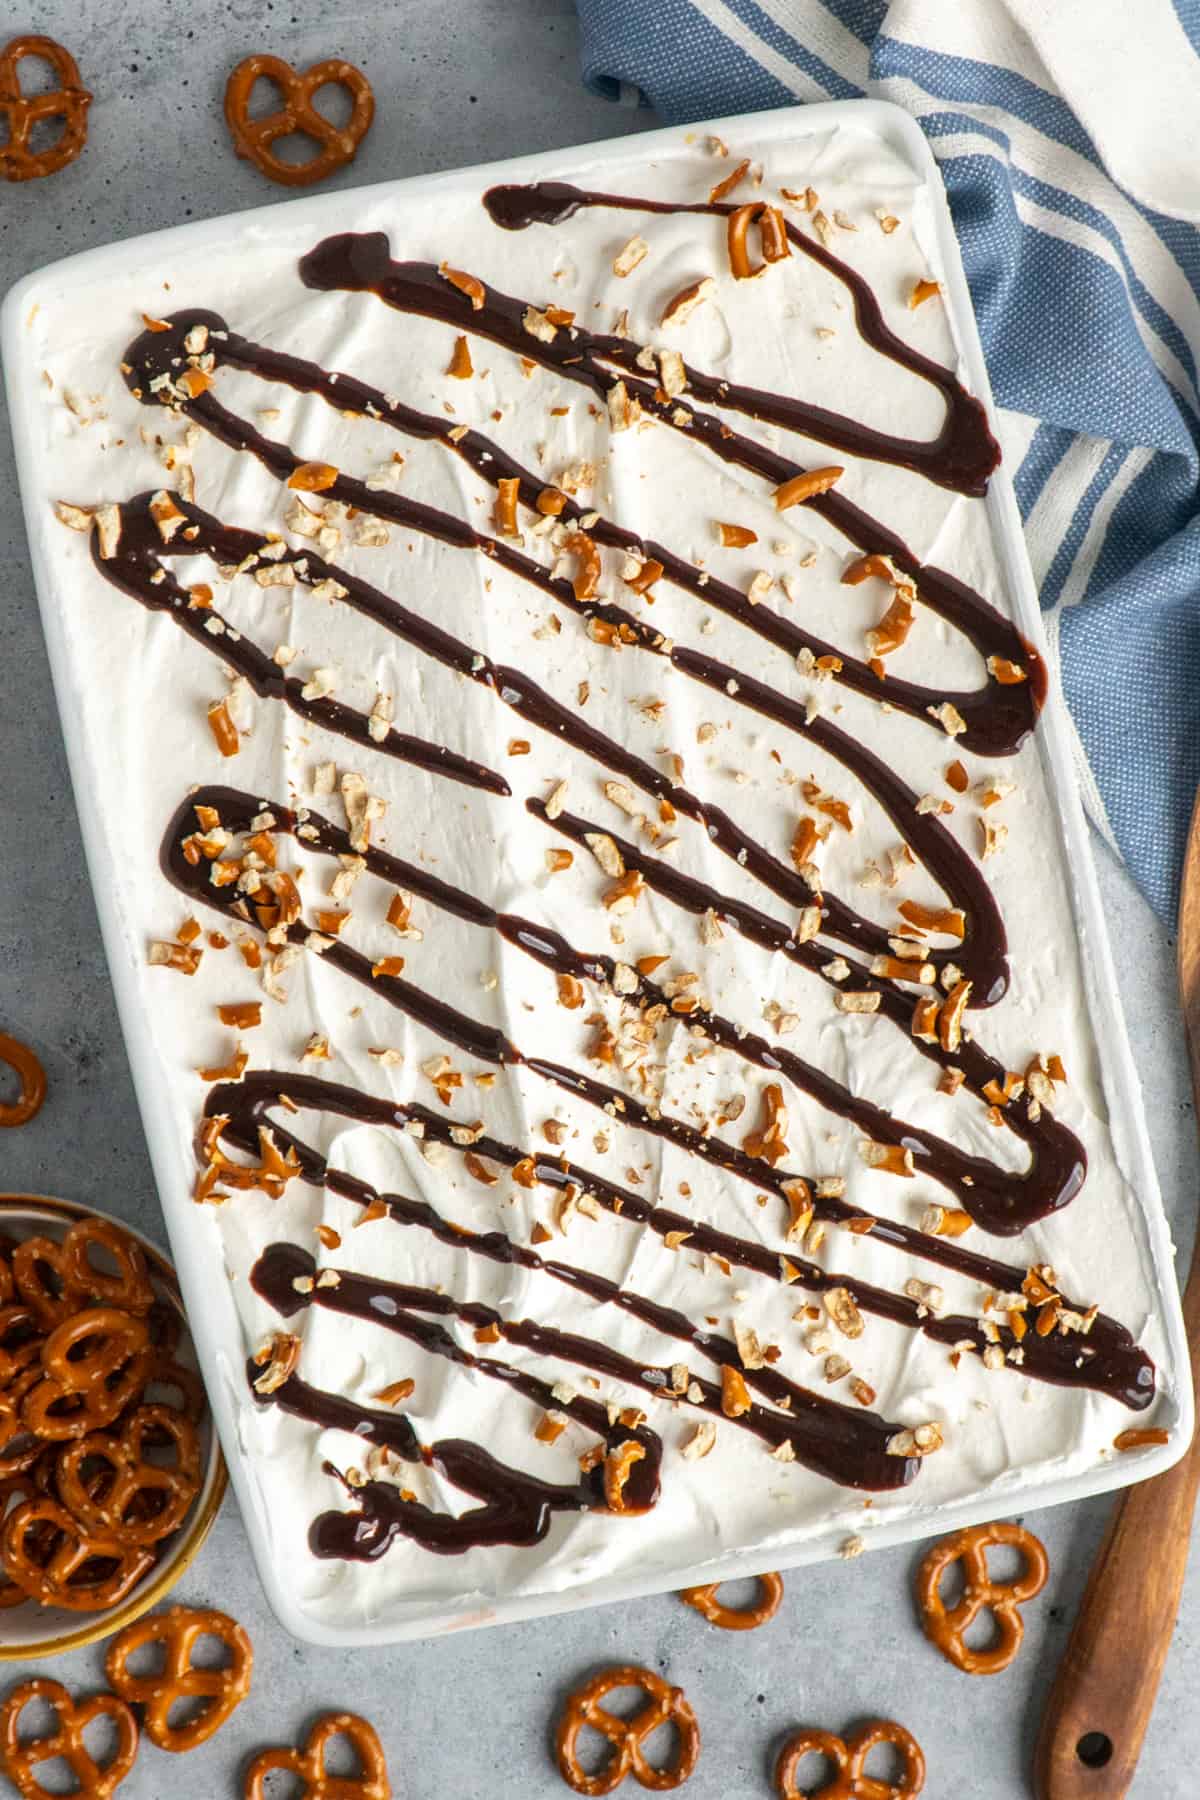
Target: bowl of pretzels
[111, 1474]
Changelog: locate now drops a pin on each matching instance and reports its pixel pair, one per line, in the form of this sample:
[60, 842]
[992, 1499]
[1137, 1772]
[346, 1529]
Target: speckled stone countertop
[461, 82]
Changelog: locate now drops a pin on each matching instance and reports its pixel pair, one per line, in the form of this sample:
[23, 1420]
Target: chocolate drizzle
[996, 1198]
[997, 718]
[137, 570]
[961, 457]
[517, 1506]
[846, 1444]
[982, 953]
[1106, 1359]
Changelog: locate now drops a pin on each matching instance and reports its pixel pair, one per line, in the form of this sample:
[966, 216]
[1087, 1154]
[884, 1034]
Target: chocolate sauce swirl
[996, 1198]
[961, 457]
[517, 1507]
[997, 718]
[1106, 1358]
[846, 1444]
[136, 569]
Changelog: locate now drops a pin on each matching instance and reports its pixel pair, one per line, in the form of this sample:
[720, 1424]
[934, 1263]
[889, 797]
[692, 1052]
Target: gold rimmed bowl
[34, 1630]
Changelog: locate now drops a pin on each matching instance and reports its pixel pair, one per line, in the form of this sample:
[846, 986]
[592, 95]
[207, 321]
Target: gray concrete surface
[460, 81]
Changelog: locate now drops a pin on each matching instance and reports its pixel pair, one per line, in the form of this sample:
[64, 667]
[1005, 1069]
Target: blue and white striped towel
[1069, 138]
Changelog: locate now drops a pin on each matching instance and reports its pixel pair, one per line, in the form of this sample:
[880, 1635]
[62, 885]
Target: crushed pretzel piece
[312, 477]
[460, 365]
[890, 1159]
[734, 177]
[281, 1355]
[701, 1441]
[681, 307]
[803, 486]
[629, 256]
[843, 1311]
[504, 511]
[951, 1016]
[735, 1395]
[470, 285]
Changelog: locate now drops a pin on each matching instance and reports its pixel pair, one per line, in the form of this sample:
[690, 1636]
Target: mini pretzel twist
[130, 1288]
[178, 1631]
[114, 1337]
[737, 1618]
[19, 1448]
[81, 1394]
[947, 1626]
[139, 1500]
[21, 1756]
[18, 1056]
[627, 1735]
[58, 1576]
[337, 144]
[848, 1756]
[39, 1277]
[308, 1764]
[14, 1491]
[20, 1348]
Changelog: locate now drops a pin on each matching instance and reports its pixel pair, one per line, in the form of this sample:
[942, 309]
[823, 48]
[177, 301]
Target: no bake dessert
[589, 875]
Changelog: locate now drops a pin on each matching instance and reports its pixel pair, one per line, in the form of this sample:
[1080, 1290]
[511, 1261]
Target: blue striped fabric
[1088, 301]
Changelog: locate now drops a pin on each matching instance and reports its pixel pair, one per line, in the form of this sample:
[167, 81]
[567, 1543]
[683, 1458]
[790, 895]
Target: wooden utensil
[1104, 1694]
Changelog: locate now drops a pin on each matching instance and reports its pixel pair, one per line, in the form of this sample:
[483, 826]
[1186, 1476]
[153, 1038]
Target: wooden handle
[1104, 1693]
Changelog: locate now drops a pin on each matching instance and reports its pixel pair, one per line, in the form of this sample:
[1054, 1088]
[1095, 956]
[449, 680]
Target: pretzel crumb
[843, 1311]
[681, 307]
[629, 256]
[280, 1354]
[701, 1441]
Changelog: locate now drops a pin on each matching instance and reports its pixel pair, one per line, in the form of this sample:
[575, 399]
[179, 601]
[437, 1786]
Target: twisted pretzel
[848, 1756]
[80, 1571]
[19, 1447]
[178, 1630]
[308, 1765]
[77, 1395]
[114, 1337]
[737, 1618]
[20, 1380]
[626, 1735]
[14, 1491]
[252, 138]
[21, 1757]
[33, 1261]
[18, 1056]
[20, 1347]
[947, 1626]
[130, 1288]
[140, 1501]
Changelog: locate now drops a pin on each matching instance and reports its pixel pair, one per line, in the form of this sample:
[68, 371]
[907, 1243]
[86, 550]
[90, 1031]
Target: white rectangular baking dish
[214, 1319]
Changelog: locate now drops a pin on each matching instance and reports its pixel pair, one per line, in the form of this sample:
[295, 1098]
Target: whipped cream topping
[586, 1031]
